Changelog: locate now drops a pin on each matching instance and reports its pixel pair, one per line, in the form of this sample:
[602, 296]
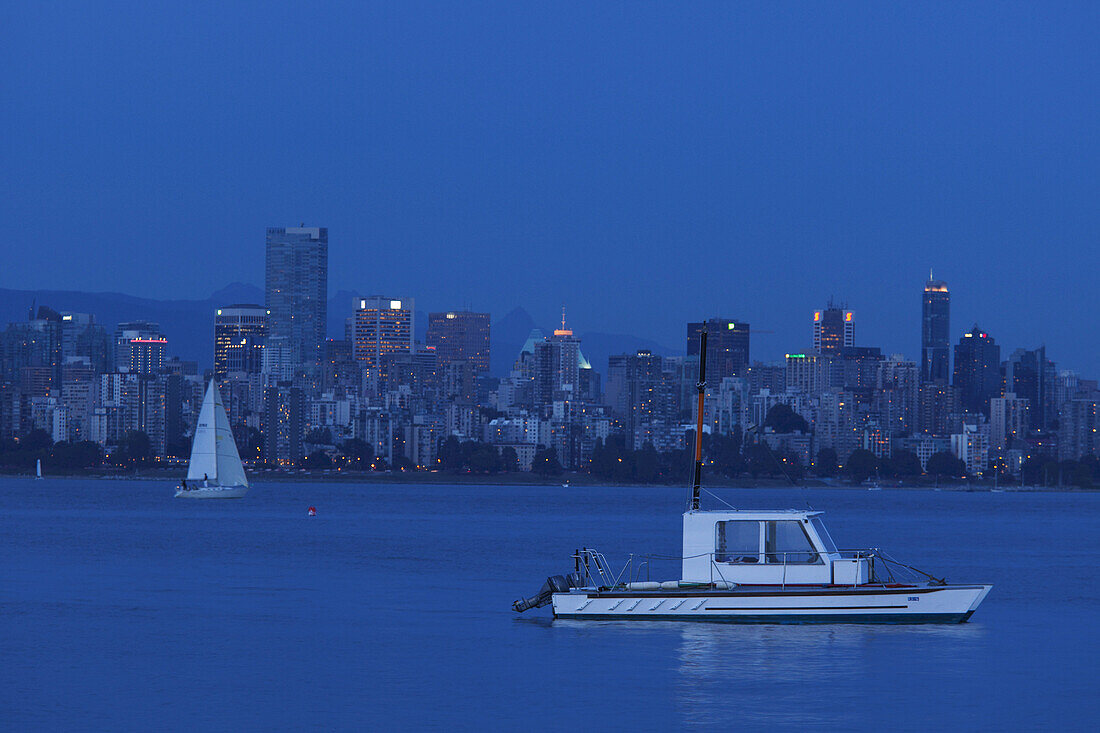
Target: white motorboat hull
[213, 492]
[909, 605]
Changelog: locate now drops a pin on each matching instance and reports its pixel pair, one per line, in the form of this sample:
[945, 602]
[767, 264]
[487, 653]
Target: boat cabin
[788, 547]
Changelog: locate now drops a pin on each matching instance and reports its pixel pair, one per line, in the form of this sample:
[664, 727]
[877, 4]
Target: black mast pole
[701, 385]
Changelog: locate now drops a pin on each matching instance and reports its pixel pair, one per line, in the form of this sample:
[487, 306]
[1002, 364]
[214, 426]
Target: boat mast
[701, 385]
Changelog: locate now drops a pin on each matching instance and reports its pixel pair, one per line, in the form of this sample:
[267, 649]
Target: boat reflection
[760, 674]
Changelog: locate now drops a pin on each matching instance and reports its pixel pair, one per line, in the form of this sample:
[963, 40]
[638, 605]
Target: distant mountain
[189, 324]
[597, 347]
[507, 336]
[239, 294]
[510, 332]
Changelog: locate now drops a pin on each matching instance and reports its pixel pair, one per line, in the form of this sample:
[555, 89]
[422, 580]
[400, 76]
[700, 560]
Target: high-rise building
[140, 347]
[557, 363]
[640, 392]
[239, 335]
[804, 373]
[297, 289]
[284, 424]
[977, 370]
[935, 332]
[727, 347]
[1029, 374]
[1079, 429]
[460, 336]
[382, 326]
[834, 329]
[898, 404]
[837, 426]
[1009, 419]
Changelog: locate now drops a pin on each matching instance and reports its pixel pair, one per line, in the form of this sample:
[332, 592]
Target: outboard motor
[554, 584]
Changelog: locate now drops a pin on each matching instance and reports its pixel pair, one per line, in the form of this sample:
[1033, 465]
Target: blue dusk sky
[643, 163]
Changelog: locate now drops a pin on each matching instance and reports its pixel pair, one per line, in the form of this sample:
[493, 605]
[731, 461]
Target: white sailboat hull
[213, 492]
[919, 604]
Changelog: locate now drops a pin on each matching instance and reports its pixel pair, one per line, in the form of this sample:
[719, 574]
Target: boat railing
[593, 570]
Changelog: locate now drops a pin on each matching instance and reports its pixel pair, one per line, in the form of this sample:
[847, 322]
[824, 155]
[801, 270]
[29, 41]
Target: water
[125, 609]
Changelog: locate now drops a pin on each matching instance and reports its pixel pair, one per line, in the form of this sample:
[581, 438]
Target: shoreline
[566, 480]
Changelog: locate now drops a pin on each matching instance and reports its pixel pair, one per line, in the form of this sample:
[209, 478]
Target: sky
[643, 164]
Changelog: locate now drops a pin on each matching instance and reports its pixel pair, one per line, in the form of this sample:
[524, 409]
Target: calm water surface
[125, 609]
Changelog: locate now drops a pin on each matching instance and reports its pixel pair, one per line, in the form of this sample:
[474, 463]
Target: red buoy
[312, 512]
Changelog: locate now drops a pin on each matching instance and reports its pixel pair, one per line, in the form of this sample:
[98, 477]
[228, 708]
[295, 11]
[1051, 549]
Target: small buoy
[312, 512]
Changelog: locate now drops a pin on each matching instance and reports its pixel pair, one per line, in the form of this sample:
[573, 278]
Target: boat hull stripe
[801, 618]
[795, 608]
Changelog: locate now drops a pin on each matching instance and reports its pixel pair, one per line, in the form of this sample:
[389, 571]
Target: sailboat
[38, 470]
[215, 470]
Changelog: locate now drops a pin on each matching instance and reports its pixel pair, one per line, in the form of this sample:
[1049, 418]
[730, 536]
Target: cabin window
[823, 533]
[786, 542]
[737, 541]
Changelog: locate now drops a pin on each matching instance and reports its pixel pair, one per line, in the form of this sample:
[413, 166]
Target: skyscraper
[383, 326]
[834, 329]
[977, 370]
[727, 347]
[1030, 375]
[935, 332]
[140, 347]
[239, 335]
[460, 336]
[557, 366]
[297, 288]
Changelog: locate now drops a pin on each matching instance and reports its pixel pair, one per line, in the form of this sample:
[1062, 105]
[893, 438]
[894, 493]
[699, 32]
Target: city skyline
[655, 157]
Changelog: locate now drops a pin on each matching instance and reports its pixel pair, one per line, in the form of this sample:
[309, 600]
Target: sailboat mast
[701, 385]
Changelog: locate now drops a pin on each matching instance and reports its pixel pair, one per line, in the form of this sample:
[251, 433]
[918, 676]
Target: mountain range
[189, 324]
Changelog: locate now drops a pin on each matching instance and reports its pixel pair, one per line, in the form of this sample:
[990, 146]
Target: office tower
[935, 331]
[383, 326]
[557, 362]
[1029, 374]
[81, 336]
[240, 332]
[140, 347]
[977, 370]
[727, 347]
[804, 372]
[460, 336]
[834, 329]
[297, 289]
[1009, 420]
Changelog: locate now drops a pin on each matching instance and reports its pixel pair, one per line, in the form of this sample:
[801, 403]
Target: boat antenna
[701, 385]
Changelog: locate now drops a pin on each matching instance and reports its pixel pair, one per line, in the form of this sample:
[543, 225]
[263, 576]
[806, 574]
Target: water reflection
[765, 675]
[800, 674]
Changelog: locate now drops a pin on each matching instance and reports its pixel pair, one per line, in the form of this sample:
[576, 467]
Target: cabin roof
[761, 514]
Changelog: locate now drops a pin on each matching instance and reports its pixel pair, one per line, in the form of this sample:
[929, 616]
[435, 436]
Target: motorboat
[752, 566]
